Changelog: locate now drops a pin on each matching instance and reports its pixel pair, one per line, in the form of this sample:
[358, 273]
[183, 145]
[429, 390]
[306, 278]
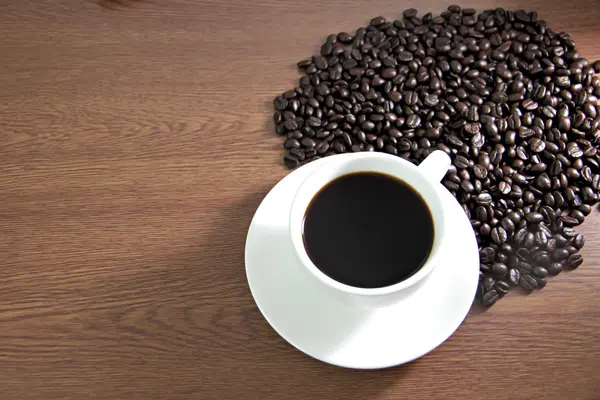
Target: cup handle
[436, 165]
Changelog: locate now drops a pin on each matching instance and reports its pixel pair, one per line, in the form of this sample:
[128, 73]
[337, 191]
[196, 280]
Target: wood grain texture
[135, 145]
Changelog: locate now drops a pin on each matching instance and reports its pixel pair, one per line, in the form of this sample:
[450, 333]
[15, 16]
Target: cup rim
[298, 210]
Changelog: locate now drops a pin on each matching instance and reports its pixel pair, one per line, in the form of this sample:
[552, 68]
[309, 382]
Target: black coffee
[368, 230]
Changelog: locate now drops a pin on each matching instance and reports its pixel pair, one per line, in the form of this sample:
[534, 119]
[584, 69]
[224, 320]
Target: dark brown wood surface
[135, 145]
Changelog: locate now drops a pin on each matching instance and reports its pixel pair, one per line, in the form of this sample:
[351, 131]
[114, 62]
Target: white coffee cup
[424, 179]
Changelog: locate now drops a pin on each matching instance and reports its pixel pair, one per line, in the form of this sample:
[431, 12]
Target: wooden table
[136, 143]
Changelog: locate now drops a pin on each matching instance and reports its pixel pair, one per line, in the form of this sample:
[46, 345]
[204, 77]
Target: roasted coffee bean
[322, 147]
[585, 209]
[578, 241]
[541, 282]
[528, 282]
[501, 257]
[499, 235]
[542, 257]
[574, 260]
[413, 121]
[488, 283]
[487, 255]
[291, 161]
[540, 271]
[479, 293]
[490, 298]
[298, 153]
[483, 199]
[555, 268]
[520, 235]
[291, 144]
[560, 254]
[541, 238]
[507, 224]
[569, 233]
[529, 240]
[345, 37]
[502, 287]
[485, 230]
[524, 267]
[522, 254]
[480, 171]
[534, 218]
[280, 103]
[571, 249]
[537, 145]
[308, 143]
[499, 269]
[514, 276]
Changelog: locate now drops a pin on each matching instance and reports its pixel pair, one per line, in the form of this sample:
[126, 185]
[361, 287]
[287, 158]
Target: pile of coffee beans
[511, 101]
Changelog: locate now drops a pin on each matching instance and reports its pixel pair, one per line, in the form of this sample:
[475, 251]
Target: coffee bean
[541, 282]
[467, 186]
[560, 254]
[442, 44]
[502, 287]
[529, 240]
[298, 153]
[571, 249]
[291, 143]
[524, 267]
[480, 171]
[541, 238]
[280, 103]
[339, 147]
[483, 199]
[540, 271]
[534, 218]
[555, 268]
[514, 276]
[508, 225]
[578, 241]
[487, 255]
[528, 282]
[321, 62]
[499, 235]
[409, 13]
[395, 96]
[304, 63]
[488, 283]
[308, 143]
[413, 121]
[585, 209]
[502, 257]
[485, 230]
[542, 257]
[290, 161]
[520, 235]
[388, 73]
[588, 195]
[490, 298]
[574, 260]
[322, 147]
[537, 145]
[367, 126]
[568, 233]
[522, 254]
[551, 245]
[314, 122]
[499, 269]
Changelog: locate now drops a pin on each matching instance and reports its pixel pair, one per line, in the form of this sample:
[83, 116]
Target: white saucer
[336, 333]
